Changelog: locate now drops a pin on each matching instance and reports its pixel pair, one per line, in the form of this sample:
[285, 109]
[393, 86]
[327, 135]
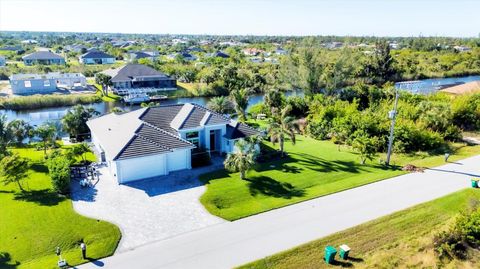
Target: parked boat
[158, 97]
[137, 98]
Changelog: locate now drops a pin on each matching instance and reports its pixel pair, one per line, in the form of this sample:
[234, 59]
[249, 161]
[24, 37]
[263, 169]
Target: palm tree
[242, 159]
[220, 104]
[46, 132]
[104, 81]
[239, 99]
[280, 126]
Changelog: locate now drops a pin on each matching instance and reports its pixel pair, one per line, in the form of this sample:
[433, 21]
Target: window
[28, 84]
[46, 83]
[193, 138]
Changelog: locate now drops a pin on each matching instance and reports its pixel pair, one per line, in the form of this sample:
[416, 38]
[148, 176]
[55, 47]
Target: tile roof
[96, 54]
[130, 71]
[154, 130]
[236, 130]
[42, 55]
[149, 140]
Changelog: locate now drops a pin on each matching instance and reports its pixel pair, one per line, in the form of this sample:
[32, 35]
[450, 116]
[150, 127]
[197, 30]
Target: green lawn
[314, 168]
[399, 240]
[33, 223]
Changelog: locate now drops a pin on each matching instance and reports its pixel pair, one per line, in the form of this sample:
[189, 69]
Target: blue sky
[260, 17]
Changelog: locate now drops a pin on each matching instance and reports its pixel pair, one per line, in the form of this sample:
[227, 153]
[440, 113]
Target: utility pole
[407, 85]
[392, 115]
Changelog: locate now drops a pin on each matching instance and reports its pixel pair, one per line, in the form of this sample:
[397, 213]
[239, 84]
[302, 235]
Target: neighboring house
[45, 83]
[96, 57]
[3, 61]
[139, 76]
[186, 56]
[280, 51]
[155, 141]
[462, 48]
[43, 57]
[220, 54]
[137, 55]
[16, 49]
[29, 41]
[76, 48]
[464, 88]
[252, 51]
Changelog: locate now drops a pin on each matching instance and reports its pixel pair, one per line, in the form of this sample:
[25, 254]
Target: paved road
[231, 244]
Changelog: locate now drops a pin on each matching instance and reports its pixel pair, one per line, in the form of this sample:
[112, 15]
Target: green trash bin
[330, 254]
[344, 250]
[474, 183]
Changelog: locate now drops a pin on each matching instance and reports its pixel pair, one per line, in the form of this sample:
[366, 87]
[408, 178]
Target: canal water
[39, 116]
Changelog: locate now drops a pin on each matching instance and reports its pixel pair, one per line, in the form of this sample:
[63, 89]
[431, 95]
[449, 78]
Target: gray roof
[149, 140]
[96, 54]
[154, 130]
[236, 130]
[130, 71]
[42, 55]
[141, 55]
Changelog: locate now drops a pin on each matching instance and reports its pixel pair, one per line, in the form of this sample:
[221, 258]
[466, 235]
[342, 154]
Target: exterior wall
[204, 137]
[36, 86]
[46, 62]
[97, 60]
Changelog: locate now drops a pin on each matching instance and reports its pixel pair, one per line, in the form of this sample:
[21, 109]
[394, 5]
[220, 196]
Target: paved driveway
[149, 210]
[234, 243]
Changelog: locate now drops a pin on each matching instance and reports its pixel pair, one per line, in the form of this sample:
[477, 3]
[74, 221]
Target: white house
[96, 57]
[45, 83]
[155, 141]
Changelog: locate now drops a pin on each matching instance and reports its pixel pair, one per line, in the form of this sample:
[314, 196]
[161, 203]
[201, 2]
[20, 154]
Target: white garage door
[177, 160]
[140, 168]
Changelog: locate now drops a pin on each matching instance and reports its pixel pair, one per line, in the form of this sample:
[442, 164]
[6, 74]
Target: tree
[220, 104]
[366, 147]
[239, 99]
[105, 81]
[242, 159]
[273, 99]
[20, 130]
[280, 126]
[81, 150]
[75, 121]
[5, 135]
[59, 170]
[14, 169]
[380, 68]
[46, 132]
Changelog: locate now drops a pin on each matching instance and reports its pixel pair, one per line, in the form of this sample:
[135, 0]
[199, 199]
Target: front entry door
[212, 140]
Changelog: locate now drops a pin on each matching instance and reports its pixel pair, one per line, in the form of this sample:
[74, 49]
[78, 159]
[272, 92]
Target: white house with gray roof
[155, 141]
[96, 57]
[134, 76]
[43, 57]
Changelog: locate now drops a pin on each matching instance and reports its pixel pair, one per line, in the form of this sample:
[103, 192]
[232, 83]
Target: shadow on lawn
[270, 187]
[347, 263]
[44, 197]
[39, 168]
[6, 261]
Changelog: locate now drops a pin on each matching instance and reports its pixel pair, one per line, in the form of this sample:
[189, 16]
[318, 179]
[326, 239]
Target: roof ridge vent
[181, 116]
[205, 118]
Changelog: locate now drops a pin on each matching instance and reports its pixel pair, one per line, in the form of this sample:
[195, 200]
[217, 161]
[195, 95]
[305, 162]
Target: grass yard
[399, 240]
[34, 223]
[314, 168]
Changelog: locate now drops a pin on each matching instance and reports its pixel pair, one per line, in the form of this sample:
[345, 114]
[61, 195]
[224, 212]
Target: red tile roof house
[155, 141]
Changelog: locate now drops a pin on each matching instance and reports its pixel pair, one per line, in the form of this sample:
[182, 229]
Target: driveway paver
[148, 210]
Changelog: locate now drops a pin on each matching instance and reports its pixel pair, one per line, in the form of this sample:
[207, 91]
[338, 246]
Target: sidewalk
[232, 244]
